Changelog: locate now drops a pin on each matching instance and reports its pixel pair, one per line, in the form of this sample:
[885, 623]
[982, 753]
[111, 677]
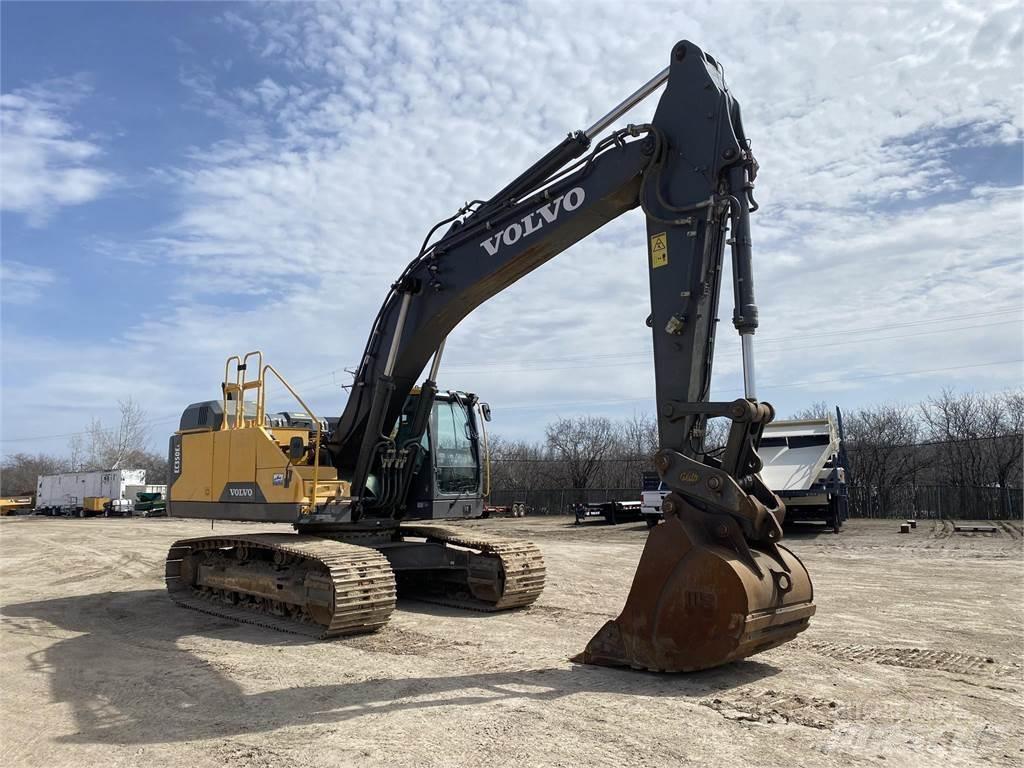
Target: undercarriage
[324, 586]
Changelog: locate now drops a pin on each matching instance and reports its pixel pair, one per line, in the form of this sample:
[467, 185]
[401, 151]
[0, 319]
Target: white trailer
[64, 493]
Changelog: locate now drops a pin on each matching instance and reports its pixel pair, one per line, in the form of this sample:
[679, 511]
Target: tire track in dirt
[395, 641]
[130, 564]
[938, 538]
[939, 534]
[916, 658]
[557, 613]
[1013, 530]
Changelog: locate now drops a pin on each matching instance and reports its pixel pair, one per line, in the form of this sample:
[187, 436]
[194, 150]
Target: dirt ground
[914, 658]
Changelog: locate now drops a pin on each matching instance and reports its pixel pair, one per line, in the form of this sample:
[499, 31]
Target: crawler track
[520, 576]
[350, 589]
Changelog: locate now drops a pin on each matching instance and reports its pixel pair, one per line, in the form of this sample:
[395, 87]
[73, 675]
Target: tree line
[125, 446]
[949, 441]
[952, 440]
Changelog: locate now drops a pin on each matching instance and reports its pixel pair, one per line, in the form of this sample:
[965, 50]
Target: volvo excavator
[713, 584]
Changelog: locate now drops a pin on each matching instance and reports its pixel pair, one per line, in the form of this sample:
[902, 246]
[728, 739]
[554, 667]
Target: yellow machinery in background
[15, 505]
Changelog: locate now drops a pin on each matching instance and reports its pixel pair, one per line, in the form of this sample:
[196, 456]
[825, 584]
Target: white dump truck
[80, 493]
[805, 464]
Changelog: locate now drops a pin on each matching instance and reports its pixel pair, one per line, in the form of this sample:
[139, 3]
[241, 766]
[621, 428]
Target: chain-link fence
[938, 502]
[920, 501]
[560, 501]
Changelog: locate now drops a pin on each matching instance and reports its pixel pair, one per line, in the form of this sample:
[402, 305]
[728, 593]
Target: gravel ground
[914, 658]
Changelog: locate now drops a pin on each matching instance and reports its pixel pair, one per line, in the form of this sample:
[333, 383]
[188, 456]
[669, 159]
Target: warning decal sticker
[659, 250]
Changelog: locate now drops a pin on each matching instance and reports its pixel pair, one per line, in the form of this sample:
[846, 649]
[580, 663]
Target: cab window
[455, 456]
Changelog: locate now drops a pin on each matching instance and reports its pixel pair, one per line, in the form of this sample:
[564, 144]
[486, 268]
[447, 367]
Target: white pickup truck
[651, 497]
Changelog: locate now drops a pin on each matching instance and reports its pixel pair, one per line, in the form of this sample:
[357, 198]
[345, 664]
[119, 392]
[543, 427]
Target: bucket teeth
[605, 649]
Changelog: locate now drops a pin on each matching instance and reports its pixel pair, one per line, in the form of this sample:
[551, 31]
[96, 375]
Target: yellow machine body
[94, 503]
[12, 505]
[246, 465]
[240, 468]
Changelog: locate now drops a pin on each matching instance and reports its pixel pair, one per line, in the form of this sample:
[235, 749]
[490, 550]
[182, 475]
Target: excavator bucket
[702, 597]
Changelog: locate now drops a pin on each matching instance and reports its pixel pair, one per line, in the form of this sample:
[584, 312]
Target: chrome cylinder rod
[436, 364]
[628, 103]
[389, 366]
[749, 388]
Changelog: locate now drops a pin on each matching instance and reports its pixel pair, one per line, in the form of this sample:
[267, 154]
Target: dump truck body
[804, 466]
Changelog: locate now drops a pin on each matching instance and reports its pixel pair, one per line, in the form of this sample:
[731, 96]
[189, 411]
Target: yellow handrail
[309, 412]
[228, 387]
[239, 387]
[257, 385]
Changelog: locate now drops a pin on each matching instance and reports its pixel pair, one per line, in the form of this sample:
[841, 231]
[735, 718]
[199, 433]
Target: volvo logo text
[531, 222]
[240, 491]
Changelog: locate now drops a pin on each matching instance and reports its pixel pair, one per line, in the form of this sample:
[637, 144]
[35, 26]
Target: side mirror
[485, 409]
[296, 448]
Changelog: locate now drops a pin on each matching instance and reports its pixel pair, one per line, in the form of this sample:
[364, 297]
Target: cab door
[456, 461]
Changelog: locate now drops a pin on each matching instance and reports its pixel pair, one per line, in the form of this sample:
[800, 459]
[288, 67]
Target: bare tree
[113, 448]
[632, 452]
[716, 433]
[1003, 418]
[77, 453]
[953, 423]
[638, 436]
[819, 409]
[517, 465]
[19, 472]
[977, 440]
[883, 455]
[155, 465]
[582, 443]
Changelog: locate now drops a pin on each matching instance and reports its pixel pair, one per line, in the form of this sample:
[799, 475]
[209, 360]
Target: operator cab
[451, 465]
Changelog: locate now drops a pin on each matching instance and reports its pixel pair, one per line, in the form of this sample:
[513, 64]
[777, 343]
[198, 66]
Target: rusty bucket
[702, 597]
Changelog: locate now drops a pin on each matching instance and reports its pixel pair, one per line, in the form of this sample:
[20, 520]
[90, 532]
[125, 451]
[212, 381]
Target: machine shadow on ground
[129, 680]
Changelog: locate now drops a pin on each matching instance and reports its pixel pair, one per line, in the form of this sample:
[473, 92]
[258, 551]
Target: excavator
[362, 492]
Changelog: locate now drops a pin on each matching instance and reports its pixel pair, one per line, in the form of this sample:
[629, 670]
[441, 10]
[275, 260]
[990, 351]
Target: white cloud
[371, 123]
[23, 283]
[43, 165]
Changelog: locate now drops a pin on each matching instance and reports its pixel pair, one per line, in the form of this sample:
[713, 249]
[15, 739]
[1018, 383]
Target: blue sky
[186, 180]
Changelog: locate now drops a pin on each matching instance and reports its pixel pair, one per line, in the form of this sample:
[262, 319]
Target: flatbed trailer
[612, 512]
